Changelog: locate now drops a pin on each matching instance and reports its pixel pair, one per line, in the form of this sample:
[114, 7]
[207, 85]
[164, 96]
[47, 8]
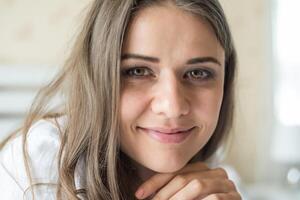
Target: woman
[147, 95]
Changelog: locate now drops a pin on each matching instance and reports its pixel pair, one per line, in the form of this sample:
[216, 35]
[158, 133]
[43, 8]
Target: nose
[169, 98]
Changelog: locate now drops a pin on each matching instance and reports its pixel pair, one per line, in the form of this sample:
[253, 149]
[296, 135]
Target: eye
[137, 72]
[200, 74]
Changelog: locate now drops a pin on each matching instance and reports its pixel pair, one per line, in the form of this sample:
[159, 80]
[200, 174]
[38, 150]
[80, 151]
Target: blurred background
[264, 151]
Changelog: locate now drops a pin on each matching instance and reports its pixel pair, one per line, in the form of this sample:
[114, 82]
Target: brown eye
[200, 74]
[137, 72]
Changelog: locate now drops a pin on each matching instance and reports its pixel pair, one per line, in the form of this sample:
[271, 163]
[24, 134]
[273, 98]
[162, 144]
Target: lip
[168, 130]
[171, 136]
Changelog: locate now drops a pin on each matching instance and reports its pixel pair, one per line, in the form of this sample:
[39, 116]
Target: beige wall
[39, 33]
[250, 23]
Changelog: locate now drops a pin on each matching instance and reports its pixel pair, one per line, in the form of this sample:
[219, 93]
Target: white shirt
[43, 147]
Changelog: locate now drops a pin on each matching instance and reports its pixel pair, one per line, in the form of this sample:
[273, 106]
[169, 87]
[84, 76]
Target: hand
[193, 182]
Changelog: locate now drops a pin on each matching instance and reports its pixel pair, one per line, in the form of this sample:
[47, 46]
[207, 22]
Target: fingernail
[139, 194]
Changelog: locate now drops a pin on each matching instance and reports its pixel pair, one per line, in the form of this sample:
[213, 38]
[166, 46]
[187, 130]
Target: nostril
[172, 104]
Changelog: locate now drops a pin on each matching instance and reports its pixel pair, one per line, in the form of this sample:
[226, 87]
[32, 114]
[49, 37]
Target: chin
[166, 167]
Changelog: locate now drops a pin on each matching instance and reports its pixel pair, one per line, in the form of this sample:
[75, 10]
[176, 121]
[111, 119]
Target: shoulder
[43, 141]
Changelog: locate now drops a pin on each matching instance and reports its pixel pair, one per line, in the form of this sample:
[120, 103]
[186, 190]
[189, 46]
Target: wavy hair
[90, 84]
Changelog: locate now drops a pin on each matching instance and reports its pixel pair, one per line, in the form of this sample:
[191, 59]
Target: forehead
[168, 30]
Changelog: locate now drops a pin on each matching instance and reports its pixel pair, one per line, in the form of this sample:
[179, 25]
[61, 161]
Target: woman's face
[172, 87]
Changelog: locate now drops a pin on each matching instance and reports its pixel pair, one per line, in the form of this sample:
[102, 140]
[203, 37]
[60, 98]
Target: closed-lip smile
[167, 130]
[163, 135]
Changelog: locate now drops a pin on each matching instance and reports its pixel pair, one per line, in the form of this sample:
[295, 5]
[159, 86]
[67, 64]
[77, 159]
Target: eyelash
[203, 72]
[129, 73]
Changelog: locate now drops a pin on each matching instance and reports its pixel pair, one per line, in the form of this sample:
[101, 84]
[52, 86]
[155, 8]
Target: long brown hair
[89, 84]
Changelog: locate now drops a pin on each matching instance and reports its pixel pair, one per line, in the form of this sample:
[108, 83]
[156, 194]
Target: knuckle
[215, 197]
[181, 180]
[198, 184]
[150, 184]
[231, 184]
[237, 196]
[221, 172]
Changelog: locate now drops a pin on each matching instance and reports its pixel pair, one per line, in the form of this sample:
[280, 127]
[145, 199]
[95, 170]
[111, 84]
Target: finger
[222, 196]
[177, 183]
[159, 180]
[181, 180]
[153, 184]
[179, 188]
[220, 172]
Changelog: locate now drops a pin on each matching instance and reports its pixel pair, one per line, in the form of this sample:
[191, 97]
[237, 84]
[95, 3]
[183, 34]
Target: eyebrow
[140, 57]
[156, 60]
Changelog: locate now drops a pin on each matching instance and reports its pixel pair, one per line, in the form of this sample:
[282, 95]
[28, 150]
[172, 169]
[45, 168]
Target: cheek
[212, 103]
[206, 107]
[132, 106]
